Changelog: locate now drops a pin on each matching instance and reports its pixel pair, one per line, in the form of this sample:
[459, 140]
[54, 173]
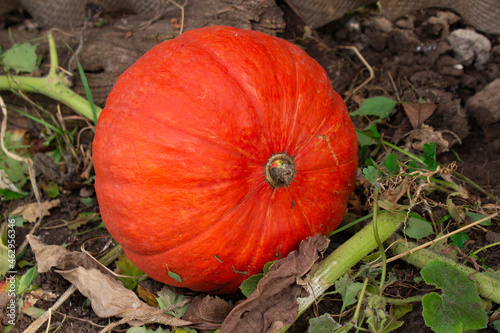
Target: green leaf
[248, 286]
[52, 189]
[89, 202]
[21, 58]
[323, 324]
[28, 278]
[16, 172]
[125, 267]
[476, 217]
[348, 290]
[417, 227]
[370, 174]
[18, 220]
[7, 194]
[4, 260]
[428, 156]
[365, 140]
[174, 276]
[458, 309]
[459, 239]
[33, 312]
[168, 298]
[391, 163]
[376, 106]
[496, 325]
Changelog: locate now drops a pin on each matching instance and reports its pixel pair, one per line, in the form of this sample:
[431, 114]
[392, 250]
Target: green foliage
[21, 58]
[27, 279]
[51, 189]
[169, 299]
[370, 173]
[476, 217]
[248, 286]
[391, 163]
[428, 156]
[323, 324]
[13, 173]
[417, 227]
[376, 106]
[459, 239]
[348, 290]
[458, 308]
[125, 267]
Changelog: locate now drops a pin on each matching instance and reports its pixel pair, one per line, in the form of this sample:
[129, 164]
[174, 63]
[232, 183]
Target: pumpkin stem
[280, 170]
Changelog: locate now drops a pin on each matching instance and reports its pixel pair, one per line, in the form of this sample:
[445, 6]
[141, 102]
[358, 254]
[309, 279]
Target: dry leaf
[427, 134]
[108, 296]
[207, 312]
[394, 193]
[30, 212]
[273, 304]
[147, 296]
[418, 112]
[47, 256]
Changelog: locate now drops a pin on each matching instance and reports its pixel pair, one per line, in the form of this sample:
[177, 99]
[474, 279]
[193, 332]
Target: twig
[181, 7]
[367, 65]
[437, 240]
[33, 328]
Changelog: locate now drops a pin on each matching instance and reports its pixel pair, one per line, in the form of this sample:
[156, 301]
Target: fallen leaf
[418, 112]
[273, 304]
[108, 296]
[395, 192]
[208, 312]
[147, 296]
[30, 212]
[425, 135]
[47, 256]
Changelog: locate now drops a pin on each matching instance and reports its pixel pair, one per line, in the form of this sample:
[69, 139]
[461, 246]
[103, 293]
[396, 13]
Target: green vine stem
[419, 160]
[53, 85]
[346, 256]
[489, 287]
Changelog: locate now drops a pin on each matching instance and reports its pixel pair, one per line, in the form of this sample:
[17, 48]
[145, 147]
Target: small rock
[470, 47]
[484, 106]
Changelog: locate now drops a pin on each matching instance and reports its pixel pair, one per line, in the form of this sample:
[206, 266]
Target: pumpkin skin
[181, 149]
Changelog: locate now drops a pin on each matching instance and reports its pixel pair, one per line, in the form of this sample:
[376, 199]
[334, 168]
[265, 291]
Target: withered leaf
[30, 212]
[273, 304]
[207, 312]
[47, 256]
[418, 112]
[108, 296]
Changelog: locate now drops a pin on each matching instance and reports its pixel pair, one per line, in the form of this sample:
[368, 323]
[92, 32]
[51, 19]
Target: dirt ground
[412, 60]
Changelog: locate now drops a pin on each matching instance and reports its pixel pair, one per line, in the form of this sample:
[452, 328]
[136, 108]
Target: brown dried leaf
[418, 112]
[30, 211]
[47, 256]
[147, 296]
[394, 193]
[207, 312]
[273, 304]
[108, 296]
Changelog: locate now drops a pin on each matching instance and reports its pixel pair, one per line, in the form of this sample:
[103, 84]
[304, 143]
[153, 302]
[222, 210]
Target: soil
[411, 60]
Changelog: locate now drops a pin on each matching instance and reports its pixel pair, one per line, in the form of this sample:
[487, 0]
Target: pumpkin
[219, 151]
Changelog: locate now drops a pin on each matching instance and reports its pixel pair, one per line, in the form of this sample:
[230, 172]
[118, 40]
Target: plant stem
[347, 255]
[53, 85]
[489, 287]
[476, 186]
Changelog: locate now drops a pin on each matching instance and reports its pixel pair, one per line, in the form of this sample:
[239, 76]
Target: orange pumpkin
[219, 151]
